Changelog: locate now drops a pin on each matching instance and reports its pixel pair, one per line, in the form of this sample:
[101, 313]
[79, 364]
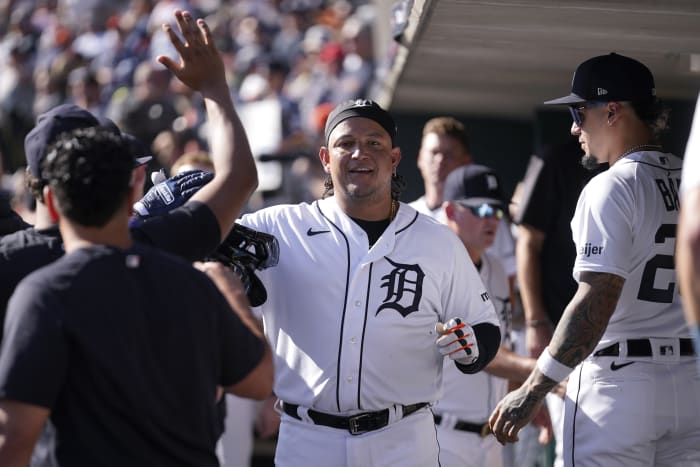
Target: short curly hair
[89, 172]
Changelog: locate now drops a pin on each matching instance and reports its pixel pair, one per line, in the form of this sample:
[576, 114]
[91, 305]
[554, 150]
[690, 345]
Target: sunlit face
[439, 155]
[360, 160]
[477, 233]
[593, 123]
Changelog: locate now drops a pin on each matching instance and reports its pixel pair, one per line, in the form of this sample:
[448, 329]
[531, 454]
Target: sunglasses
[577, 111]
[485, 211]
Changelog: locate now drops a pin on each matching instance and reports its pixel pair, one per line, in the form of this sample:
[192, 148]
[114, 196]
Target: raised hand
[200, 66]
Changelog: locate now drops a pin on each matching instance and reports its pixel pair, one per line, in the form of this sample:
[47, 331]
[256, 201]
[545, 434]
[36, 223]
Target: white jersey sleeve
[352, 327]
[691, 162]
[625, 224]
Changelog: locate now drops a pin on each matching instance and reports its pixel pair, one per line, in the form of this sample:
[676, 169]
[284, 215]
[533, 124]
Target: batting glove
[171, 193]
[457, 341]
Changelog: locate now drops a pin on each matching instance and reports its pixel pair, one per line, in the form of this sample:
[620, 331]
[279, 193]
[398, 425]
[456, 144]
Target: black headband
[361, 108]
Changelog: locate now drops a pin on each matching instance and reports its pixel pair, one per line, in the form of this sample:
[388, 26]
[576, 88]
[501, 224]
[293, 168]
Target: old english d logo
[404, 286]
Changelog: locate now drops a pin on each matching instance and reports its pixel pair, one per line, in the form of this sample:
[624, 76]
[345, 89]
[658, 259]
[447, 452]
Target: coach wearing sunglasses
[474, 206]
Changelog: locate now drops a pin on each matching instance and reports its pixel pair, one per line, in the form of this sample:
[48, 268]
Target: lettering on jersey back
[404, 288]
[669, 192]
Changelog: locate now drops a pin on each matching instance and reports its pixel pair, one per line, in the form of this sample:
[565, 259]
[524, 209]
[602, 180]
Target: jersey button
[353, 340]
[358, 303]
[349, 378]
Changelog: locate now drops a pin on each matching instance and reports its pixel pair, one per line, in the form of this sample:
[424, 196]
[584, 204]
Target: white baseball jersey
[472, 397]
[503, 245]
[352, 327]
[625, 224]
[691, 162]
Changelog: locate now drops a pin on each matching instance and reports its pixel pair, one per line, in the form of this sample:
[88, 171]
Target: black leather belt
[642, 348]
[355, 424]
[482, 429]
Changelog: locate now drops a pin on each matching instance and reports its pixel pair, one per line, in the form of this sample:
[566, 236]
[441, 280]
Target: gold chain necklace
[641, 147]
[394, 209]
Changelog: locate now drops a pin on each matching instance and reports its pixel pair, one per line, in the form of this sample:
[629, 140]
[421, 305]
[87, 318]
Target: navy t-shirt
[126, 348]
[190, 231]
[552, 185]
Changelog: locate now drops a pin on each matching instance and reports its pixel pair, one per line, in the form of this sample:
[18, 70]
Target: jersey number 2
[647, 291]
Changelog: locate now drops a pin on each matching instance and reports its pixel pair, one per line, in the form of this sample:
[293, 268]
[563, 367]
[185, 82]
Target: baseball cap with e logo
[608, 78]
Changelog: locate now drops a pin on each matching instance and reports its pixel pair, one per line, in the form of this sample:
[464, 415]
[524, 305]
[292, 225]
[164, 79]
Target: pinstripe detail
[408, 225]
[573, 422]
[345, 301]
[362, 341]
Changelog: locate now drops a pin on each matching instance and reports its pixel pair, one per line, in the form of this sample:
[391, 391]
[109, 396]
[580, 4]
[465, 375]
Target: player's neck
[368, 211]
[636, 137]
[42, 217]
[114, 233]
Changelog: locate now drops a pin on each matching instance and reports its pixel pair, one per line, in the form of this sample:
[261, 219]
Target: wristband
[552, 368]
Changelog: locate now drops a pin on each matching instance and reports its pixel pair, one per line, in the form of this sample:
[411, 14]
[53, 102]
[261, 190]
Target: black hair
[89, 171]
[654, 114]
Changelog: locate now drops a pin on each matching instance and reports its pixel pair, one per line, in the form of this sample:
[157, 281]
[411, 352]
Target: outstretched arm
[202, 69]
[578, 332]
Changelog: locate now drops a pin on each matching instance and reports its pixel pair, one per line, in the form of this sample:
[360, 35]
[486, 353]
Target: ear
[395, 157]
[613, 109]
[325, 158]
[50, 202]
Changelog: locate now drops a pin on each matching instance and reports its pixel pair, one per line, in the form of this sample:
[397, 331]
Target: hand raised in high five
[200, 67]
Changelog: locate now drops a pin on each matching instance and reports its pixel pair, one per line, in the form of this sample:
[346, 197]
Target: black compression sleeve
[488, 338]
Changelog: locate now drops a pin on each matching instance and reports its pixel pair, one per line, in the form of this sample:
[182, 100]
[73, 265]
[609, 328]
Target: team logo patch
[404, 288]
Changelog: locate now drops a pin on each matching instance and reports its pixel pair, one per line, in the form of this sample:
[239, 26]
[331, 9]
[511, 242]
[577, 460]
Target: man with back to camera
[474, 205]
[634, 397]
[192, 231]
[353, 305]
[130, 369]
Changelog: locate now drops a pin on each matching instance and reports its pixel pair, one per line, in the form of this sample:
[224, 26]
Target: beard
[589, 162]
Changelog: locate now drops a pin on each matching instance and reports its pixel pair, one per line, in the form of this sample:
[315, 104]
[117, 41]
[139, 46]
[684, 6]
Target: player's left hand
[514, 411]
[457, 341]
[171, 193]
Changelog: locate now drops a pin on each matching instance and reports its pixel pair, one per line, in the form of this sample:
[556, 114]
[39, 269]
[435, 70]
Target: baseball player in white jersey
[356, 303]
[634, 396]
[688, 252]
[474, 206]
[444, 147]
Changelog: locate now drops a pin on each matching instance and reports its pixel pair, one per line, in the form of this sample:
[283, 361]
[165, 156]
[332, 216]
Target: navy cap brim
[142, 161]
[566, 100]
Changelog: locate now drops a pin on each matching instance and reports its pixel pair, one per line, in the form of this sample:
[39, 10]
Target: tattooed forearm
[586, 317]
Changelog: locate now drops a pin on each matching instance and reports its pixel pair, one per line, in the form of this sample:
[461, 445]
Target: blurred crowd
[288, 63]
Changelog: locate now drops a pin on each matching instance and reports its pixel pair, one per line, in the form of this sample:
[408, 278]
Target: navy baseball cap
[473, 185]
[361, 108]
[61, 119]
[608, 78]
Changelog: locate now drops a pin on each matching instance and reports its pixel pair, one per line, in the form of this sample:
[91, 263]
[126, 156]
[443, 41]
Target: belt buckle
[485, 430]
[354, 423]
[665, 349]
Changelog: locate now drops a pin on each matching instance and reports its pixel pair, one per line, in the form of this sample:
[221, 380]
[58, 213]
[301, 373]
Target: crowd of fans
[288, 63]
